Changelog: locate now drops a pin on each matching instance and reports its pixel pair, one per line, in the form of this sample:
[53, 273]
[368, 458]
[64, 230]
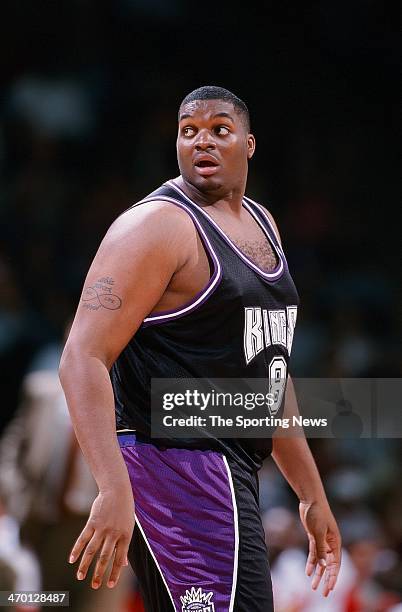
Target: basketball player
[192, 282]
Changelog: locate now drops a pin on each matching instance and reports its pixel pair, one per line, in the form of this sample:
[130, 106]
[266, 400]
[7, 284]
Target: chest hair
[260, 252]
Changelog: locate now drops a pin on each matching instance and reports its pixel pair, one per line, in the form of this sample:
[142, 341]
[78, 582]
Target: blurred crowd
[85, 134]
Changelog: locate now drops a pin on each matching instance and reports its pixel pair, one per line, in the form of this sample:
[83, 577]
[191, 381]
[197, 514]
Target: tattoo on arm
[100, 295]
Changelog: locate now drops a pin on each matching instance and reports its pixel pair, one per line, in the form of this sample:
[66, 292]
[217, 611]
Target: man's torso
[191, 278]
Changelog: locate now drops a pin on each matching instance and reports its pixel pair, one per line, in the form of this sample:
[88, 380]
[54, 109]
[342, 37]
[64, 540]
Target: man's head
[214, 142]
[212, 92]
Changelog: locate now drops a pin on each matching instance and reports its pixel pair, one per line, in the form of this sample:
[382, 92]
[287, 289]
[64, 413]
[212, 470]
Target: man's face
[213, 146]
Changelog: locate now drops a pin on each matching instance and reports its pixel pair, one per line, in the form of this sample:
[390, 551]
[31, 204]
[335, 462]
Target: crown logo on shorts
[196, 601]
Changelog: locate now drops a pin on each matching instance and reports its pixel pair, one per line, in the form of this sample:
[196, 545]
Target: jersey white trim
[236, 530]
[277, 247]
[264, 212]
[154, 558]
[213, 281]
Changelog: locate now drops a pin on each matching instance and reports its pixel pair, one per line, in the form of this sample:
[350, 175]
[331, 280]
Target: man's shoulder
[156, 209]
[153, 217]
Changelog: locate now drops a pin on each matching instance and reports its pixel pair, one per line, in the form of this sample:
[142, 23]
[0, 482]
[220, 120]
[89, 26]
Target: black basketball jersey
[240, 325]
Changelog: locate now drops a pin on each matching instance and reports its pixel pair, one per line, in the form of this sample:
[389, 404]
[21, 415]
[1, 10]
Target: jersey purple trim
[267, 276]
[265, 215]
[200, 297]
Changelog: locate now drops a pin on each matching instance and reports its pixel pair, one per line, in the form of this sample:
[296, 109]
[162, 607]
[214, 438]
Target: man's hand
[324, 544]
[108, 530]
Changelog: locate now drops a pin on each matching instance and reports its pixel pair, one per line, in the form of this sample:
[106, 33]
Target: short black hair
[213, 92]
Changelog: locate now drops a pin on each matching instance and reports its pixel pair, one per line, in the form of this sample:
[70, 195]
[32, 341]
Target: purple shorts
[198, 544]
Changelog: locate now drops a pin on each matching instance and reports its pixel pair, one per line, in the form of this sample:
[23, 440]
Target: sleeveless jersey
[240, 325]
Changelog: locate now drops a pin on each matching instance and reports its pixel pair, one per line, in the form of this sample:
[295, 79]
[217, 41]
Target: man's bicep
[125, 281]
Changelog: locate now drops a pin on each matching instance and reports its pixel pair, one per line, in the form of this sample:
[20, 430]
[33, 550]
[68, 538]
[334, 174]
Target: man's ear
[250, 146]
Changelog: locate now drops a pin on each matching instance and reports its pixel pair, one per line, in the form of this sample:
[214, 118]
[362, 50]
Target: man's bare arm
[130, 273]
[294, 459]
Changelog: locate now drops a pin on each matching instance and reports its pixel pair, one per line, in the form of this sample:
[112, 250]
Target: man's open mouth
[205, 163]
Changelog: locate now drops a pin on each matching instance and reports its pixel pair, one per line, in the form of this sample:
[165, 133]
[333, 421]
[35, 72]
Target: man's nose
[204, 141]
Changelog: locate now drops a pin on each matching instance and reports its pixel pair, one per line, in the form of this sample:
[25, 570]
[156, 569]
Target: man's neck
[224, 201]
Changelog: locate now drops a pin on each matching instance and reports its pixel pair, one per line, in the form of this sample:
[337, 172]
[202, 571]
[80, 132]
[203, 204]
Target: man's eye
[222, 130]
[188, 131]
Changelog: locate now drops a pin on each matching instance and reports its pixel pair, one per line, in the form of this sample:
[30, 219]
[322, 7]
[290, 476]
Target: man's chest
[249, 237]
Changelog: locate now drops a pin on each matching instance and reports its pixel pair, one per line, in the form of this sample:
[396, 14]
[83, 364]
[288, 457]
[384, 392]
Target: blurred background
[89, 99]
